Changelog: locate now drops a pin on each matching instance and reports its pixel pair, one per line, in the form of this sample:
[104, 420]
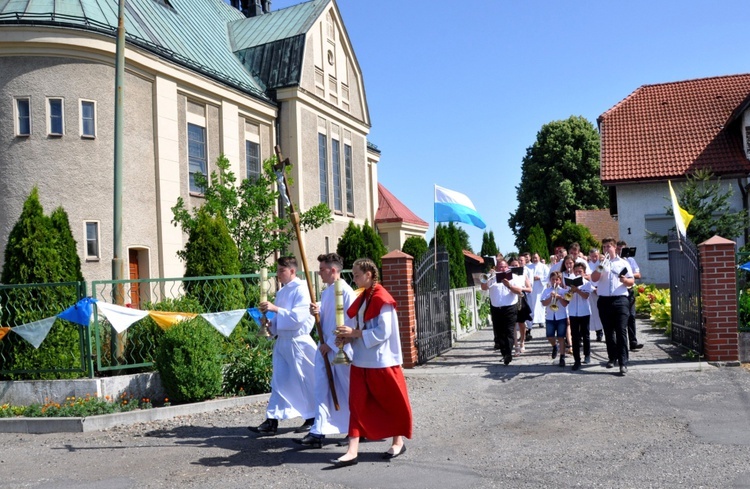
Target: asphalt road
[478, 424]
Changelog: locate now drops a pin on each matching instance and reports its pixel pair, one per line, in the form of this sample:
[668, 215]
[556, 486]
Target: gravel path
[478, 424]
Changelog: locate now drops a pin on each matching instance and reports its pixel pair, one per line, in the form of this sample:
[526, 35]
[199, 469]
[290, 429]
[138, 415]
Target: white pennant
[224, 322]
[35, 332]
[121, 318]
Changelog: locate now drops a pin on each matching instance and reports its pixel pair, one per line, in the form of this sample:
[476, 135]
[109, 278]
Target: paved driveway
[478, 424]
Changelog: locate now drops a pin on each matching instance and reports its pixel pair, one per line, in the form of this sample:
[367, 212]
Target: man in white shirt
[632, 338]
[503, 309]
[612, 282]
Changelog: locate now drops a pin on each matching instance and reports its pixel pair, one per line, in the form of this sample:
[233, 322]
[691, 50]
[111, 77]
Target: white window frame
[252, 137]
[17, 115]
[196, 120]
[80, 122]
[49, 117]
[86, 239]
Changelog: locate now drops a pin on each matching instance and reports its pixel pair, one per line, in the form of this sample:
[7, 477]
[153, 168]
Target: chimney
[252, 8]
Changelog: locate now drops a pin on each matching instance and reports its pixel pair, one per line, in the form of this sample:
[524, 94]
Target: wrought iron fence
[685, 293]
[432, 304]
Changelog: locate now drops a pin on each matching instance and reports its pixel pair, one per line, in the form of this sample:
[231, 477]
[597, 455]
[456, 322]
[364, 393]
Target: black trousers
[613, 312]
[632, 338]
[579, 330]
[504, 327]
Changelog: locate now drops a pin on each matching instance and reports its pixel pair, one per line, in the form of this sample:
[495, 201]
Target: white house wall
[634, 202]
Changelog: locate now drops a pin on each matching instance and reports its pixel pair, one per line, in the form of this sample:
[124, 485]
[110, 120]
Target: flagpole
[434, 223]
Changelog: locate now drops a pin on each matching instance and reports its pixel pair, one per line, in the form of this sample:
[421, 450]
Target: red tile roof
[600, 222]
[670, 129]
[390, 209]
[477, 258]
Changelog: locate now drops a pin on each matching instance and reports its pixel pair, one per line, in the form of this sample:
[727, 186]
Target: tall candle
[338, 289]
[263, 284]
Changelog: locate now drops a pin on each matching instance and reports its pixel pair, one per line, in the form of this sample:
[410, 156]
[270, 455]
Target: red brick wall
[398, 274]
[719, 300]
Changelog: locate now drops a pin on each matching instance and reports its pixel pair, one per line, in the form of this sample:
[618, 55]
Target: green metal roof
[193, 33]
[276, 25]
[272, 46]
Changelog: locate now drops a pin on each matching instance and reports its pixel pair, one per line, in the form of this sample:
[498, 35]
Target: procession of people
[365, 395]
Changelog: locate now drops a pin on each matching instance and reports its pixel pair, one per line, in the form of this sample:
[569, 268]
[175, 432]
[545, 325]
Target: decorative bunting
[168, 319]
[121, 318]
[35, 332]
[80, 312]
[224, 322]
[4, 330]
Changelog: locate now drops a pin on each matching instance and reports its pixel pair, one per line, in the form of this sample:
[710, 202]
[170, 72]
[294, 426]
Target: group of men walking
[572, 296]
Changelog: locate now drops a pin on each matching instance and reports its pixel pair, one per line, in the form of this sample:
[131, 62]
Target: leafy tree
[374, 247]
[489, 247]
[537, 242]
[40, 250]
[450, 237]
[703, 197]
[211, 251]
[352, 245]
[559, 174]
[416, 246]
[250, 213]
[574, 233]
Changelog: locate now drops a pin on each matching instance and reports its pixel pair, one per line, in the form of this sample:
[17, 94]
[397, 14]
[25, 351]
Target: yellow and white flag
[682, 217]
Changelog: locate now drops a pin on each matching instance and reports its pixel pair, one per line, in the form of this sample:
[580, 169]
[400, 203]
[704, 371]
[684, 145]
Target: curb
[106, 421]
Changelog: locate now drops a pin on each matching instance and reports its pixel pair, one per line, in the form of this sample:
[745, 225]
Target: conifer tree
[374, 247]
[352, 245]
[416, 246]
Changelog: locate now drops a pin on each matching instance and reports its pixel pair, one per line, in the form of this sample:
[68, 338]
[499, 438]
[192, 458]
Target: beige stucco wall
[74, 172]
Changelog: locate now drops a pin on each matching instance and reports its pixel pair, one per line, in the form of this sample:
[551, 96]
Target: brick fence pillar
[398, 275]
[719, 300]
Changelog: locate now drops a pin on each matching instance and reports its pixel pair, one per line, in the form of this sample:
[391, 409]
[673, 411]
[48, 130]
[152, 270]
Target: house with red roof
[664, 132]
[395, 222]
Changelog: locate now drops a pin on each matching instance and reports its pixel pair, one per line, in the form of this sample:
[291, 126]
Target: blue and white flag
[452, 206]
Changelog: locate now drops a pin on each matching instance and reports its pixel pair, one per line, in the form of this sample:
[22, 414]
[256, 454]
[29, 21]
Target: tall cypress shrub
[374, 247]
[40, 250]
[352, 245]
[210, 250]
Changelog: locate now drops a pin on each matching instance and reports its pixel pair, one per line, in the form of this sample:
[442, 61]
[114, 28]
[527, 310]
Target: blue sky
[458, 90]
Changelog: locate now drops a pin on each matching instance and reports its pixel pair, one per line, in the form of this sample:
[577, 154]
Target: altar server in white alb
[328, 420]
[293, 379]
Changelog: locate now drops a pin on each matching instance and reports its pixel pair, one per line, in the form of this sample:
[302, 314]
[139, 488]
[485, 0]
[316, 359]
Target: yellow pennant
[168, 319]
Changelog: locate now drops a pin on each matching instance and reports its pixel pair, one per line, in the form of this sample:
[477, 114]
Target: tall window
[55, 115]
[196, 155]
[23, 117]
[92, 240]
[349, 179]
[252, 160]
[88, 119]
[323, 167]
[336, 160]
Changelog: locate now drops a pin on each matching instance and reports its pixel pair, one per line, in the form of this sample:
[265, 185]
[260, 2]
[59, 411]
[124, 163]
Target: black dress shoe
[310, 441]
[610, 364]
[507, 359]
[636, 346]
[388, 455]
[305, 426]
[344, 463]
[345, 442]
[267, 427]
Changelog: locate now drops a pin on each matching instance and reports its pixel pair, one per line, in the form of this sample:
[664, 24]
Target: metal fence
[465, 311]
[685, 293]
